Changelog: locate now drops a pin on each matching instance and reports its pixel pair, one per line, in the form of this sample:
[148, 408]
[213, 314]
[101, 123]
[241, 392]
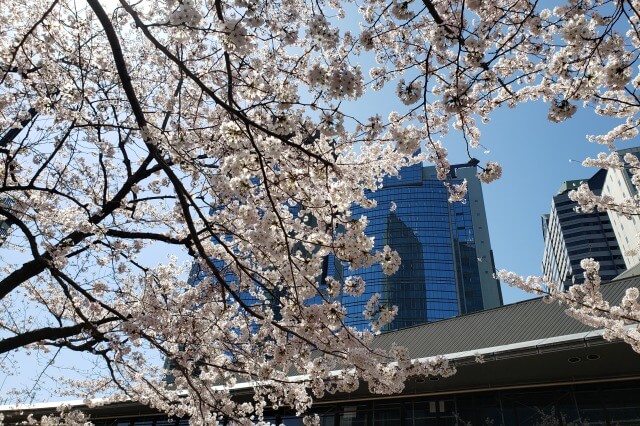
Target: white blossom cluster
[560, 110]
[185, 13]
[322, 33]
[604, 161]
[490, 172]
[219, 133]
[585, 303]
[438, 155]
[65, 417]
[409, 93]
[457, 192]
[237, 39]
[339, 82]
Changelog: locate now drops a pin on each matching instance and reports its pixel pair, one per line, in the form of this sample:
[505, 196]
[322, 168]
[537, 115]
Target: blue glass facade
[440, 275]
[447, 265]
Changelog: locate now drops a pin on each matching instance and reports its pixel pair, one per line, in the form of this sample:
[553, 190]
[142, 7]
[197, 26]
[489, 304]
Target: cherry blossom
[586, 303]
[218, 133]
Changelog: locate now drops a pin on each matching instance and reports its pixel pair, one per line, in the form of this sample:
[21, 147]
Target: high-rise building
[619, 186]
[570, 236]
[447, 263]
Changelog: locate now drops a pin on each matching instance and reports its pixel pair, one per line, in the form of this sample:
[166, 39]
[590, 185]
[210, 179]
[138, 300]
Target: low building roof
[525, 344]
[525, 321]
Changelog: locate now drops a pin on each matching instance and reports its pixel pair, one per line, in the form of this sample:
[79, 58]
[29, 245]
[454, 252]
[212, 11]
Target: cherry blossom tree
[219, 131]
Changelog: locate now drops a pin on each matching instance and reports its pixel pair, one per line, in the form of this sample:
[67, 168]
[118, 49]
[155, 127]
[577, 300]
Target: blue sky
[535, 154]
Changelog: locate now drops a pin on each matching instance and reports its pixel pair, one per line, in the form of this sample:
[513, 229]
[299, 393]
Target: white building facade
[618, 186]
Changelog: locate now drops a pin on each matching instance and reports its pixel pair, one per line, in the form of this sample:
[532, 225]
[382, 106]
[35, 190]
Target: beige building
[618, 186]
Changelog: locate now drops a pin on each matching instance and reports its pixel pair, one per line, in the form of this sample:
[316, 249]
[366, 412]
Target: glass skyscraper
[447, 264]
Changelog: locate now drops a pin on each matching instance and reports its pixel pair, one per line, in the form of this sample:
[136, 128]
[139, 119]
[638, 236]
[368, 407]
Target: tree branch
[48, 333]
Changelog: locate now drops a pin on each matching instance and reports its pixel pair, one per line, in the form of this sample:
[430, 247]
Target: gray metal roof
[519, 322]
[531, 321]
[629, 273]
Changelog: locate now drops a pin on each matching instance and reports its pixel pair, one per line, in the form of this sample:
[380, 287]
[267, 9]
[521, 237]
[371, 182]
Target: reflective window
[439, 275]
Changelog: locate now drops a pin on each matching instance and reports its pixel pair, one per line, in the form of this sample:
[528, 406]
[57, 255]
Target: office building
[619, 186]
[447, 263]
[570, 236]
